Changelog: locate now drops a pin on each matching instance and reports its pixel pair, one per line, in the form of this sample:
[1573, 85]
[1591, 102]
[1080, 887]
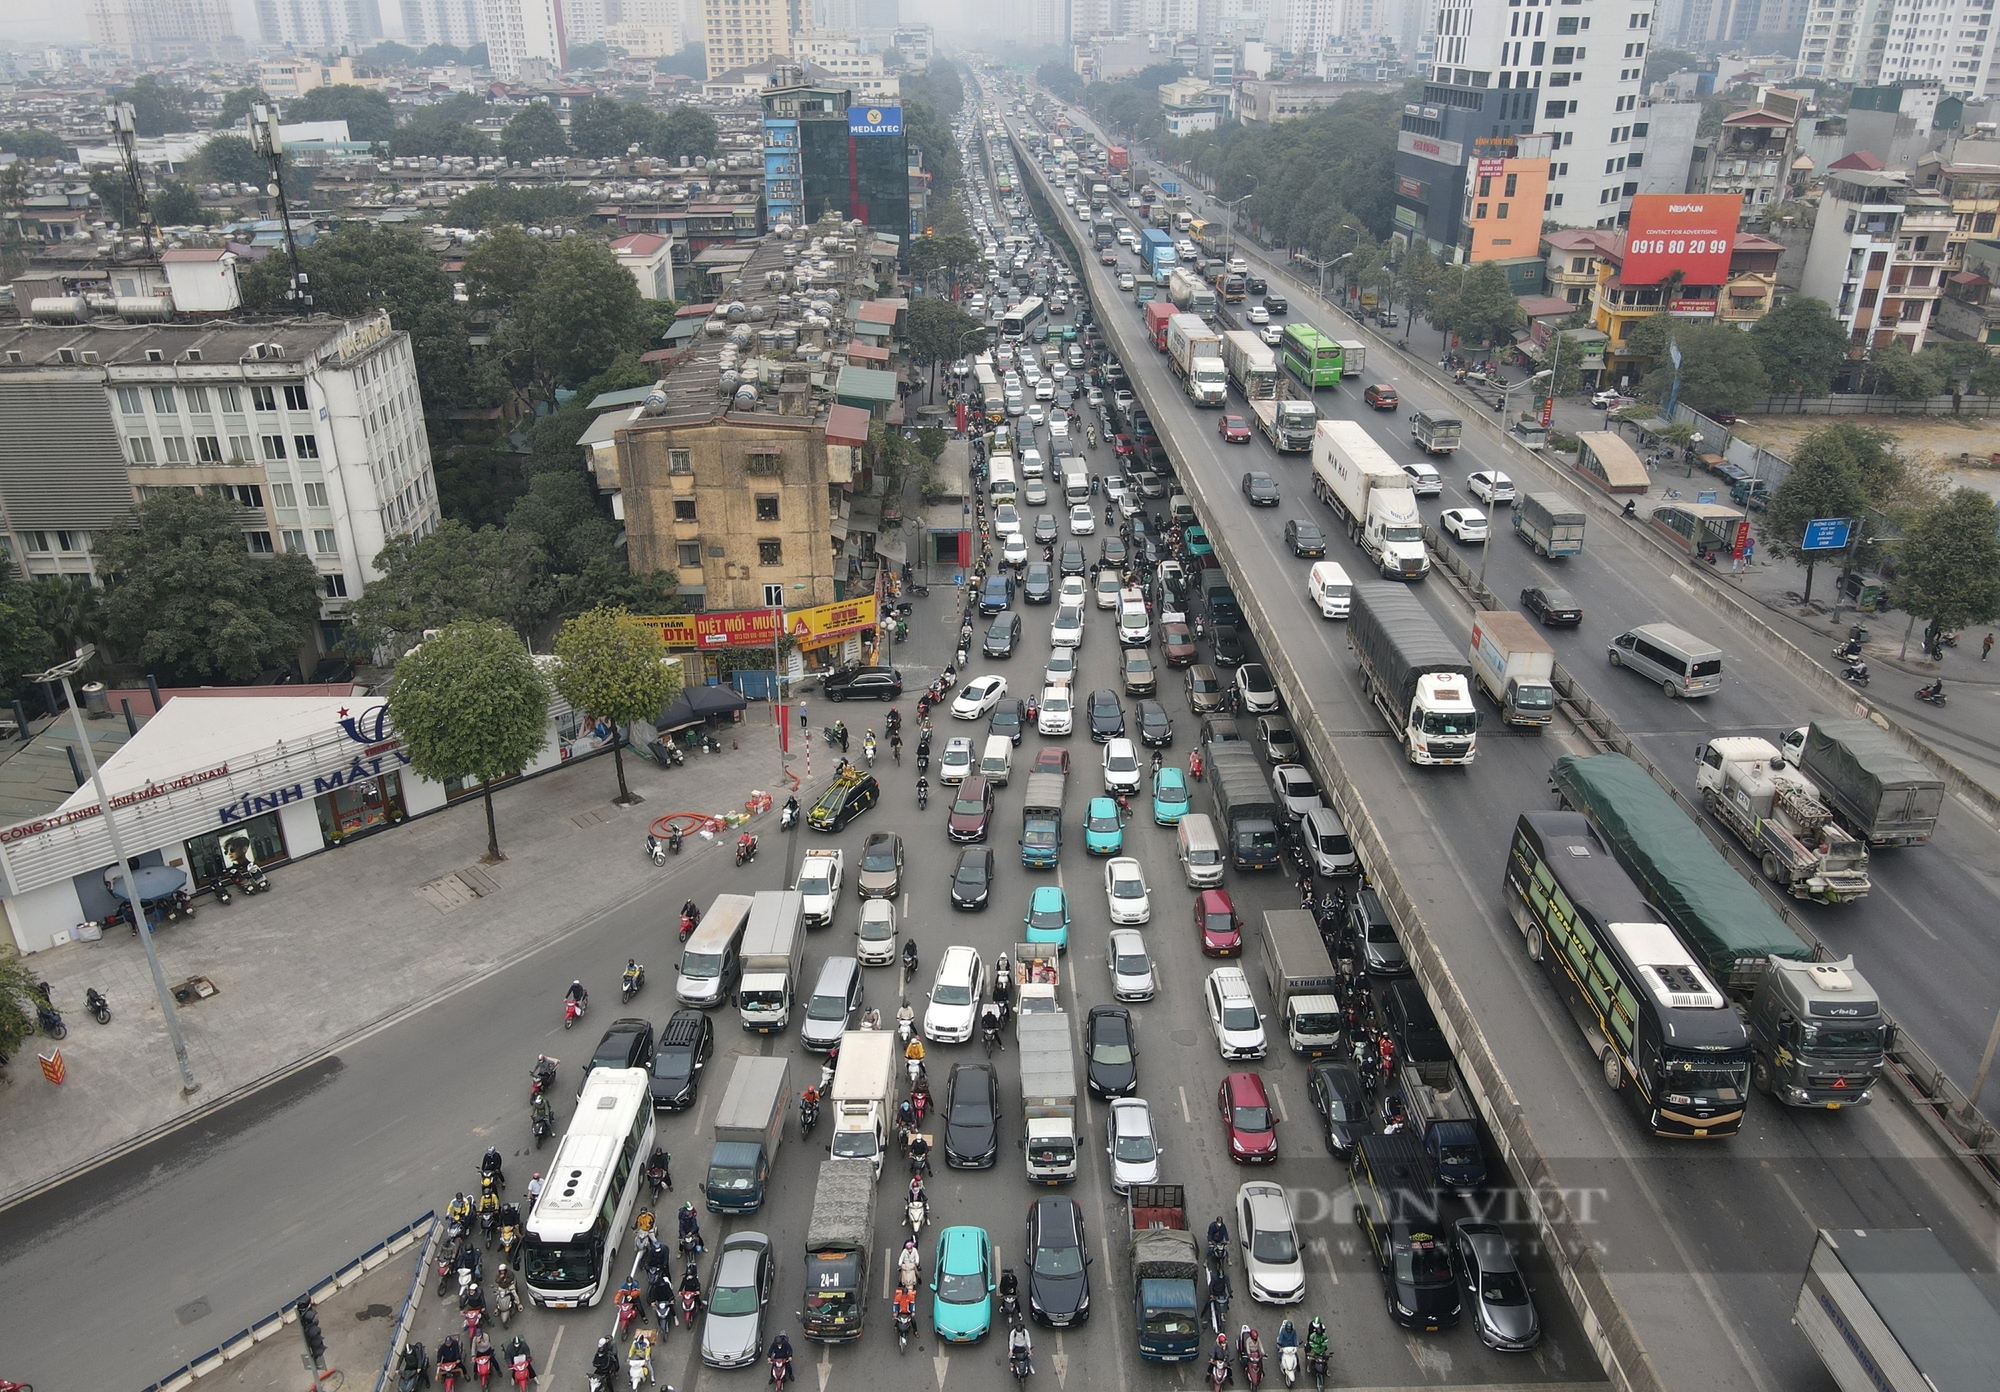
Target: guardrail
[1566, 1240]
[236, 1345]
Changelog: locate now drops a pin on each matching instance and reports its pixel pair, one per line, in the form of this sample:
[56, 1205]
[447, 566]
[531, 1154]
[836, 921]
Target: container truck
[1196, 352]
[864, 1090]
[1166, 1262]
[1302, 982]
[1103, 234]
[1048, 1096]
[1414, 674]
[749, 1124]
[1117, 158]
[1771, 808]
[1889, 1310]
[1370, 494]
[819, 885]
[773, 943]
[1550, 523]
[1252, 366]
[1041, 820]
[837, 1239]
[1515, 665]
[1818, 1037]
[1435, 431]
[1447, 1127]
[1248, 809]
[1353, 356]
[1289, 424]
[1231, 286]
[1881, 793]
[1157, 313]
[1717, 914]
[1190, 294]
[1156, 249]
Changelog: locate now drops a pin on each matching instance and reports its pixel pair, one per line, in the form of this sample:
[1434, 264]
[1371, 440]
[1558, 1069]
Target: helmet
[503, 1272]
[691, 1271]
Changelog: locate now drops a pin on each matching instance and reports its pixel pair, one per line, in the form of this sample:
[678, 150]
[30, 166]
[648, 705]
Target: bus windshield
[1722, 1073]
[561, 1266]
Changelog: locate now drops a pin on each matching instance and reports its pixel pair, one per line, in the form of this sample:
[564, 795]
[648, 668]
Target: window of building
[208, 449]
[1501, 211]
[1555, 110]
[247, 495]
[231, 399]
[295, 397]
[1512, 181]
[1478, 211]
[197, 400]
[263, 399]
[325, 542]
[176, 448]
[72, 541]
[315, 495]
[259, 542]
[142, 449]
[336, 586]
[163, 400]
[689, 554]
[1559, 200]
[274, 447]
[294, 540]
[283, 496]
[130, 402]
[684, 510]
[1566, 25]
[37, 542]
[767, 507]
[307, 446]
[679, 462]
[770, 551]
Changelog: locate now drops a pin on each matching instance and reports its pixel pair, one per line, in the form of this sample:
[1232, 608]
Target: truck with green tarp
[1717, 913]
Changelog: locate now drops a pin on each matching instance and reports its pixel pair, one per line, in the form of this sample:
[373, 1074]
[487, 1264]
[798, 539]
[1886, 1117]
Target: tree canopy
[367, 113]
[159, 108]
[1719, 371]
[1801, 346]
[26, 646]
[190, 598]
[534, 132]
[31, 144]
[1825, 481]
[1479, 306]
[236, 106]
[232, 159]
[609, 664]
[453, 575]
[441, 131]
[1948, 567]
[496, 205]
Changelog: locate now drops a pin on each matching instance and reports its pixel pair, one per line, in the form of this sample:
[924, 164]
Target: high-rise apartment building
[163, 31]
[460, 23]
[1304, 26]
[738, 33]
[583, 20]
[1870, 42]
[644, 28]
[520, 32]
[319, 24]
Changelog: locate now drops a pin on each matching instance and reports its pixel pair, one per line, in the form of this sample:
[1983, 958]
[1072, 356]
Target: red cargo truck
[1158, 312]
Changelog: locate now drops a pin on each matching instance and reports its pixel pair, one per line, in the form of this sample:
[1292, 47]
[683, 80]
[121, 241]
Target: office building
[320, 24]
[524, 32]
[742, 33]
[645, 28]
[164, 31]
[844, 60]
[1189, 104]
[459, 23]
[824, 152]
[1502, 217]
[1880, 253]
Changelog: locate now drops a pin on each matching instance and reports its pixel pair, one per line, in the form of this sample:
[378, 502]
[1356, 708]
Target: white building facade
[460, 23]
[1880, 42]
[319, 24]
[519, 32]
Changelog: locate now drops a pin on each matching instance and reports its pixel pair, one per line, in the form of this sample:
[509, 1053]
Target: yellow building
[1502, 220]
[1740, 301]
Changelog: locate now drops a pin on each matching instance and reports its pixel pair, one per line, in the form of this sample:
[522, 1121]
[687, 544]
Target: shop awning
[696, 705]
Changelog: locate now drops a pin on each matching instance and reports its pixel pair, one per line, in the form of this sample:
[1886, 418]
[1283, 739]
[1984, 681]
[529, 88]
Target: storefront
[294, 774]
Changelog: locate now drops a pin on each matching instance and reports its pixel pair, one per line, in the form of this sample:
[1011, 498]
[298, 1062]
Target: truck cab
[1817, 1035]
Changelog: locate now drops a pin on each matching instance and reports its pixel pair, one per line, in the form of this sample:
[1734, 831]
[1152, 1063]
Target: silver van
[996, 761]
[833, 1003]
[1327, 842]
[713, 955]
[1681, 663]
[1200, 851]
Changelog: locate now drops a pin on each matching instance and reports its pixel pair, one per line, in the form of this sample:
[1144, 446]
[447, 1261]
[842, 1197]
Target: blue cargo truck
[1158, 250]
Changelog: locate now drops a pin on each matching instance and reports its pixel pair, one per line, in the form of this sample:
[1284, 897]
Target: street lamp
[1229, 230]
[62, 672]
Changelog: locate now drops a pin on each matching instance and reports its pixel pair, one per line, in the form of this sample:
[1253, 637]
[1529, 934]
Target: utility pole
[269, 144]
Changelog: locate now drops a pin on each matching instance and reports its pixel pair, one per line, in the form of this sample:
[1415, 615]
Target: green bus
[1311, 357]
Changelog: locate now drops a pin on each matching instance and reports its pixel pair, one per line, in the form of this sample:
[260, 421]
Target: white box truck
[1048, 1096]
[1516, 665]
[1371, 495]
[1196, 352]
[773, 944]
[864, 1091]
[1353, 356]
[1253, 367]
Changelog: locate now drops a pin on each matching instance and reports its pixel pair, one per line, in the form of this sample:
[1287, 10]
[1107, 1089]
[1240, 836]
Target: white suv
[1232, 1011]
[955, 996]
[1056, 715]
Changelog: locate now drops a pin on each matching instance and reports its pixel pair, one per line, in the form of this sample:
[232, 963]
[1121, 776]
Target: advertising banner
[1692, 233]
[874, 120]
[1431, 148]
[734, 628]
[826, 623]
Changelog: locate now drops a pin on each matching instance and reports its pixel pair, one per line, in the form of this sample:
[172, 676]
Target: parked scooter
[99, 1006]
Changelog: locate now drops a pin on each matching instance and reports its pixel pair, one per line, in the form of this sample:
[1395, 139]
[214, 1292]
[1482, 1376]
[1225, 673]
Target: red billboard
[1692, 233]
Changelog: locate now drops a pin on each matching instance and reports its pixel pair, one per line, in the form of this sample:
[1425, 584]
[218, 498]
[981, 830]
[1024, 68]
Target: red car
[1107, 257]
[1215, 918]
[1247, 1119]
[1121, 446]
[1177, 640]
[1381, 396]
[1234, 429]
[1052, 759]
[971, 810]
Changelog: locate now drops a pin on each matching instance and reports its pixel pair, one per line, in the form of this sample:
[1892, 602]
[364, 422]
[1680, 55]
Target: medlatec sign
[1687, 232]
[874, 120]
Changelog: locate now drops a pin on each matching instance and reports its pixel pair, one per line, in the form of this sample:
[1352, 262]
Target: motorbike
[920, 1102]
[688, 922]
[690, 1304]
[1218, 1373]
[449, 1371]
[1253, 1370]
[1856, 672]
[1019, 1365]
[808, 1117]
[746, 849]
[906, 1325]
[474, 1316]
[781, 1372]
[51, 1019]
[1288, 1362]
[656, 1176]
[1850, 649]
[482, 1366]
[789, 817]
[520, 1366]
[630, 984]
[656, 849]
[510, 1241]
[572, 1011]
[99, 1006]
[1317, 1362]
[540, 1076]
[628, 1310]
[413, 1370]
[1929, 695]
[447, 1267]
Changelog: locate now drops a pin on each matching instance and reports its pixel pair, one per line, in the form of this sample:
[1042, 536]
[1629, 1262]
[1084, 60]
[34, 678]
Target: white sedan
[1467, 524]
[1014, 550]
[1067, 630]
[955, 764]
[1134, 1150]
[1082, 521]
[1271, 1259]
[1037, 416]
[1126, 280]
[1061, 670]
[977, 697]
[1273, 335]
[956, 992]
[1125, 891]
[1257, 314]
[1131, 965]
[1122, 773]
[1072, 590]
[1491, 486]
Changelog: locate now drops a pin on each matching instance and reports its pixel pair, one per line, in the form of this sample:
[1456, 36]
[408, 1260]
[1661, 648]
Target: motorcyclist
[634, 973]
[923, 791]
[1250, 1349]
[906, 1302]
[1020, 1350]
[458, 1212]
[913, 1052]
[1288, 1337]
[482, 1346]
[1220, 1370]
[1933, 691]
[920, 1153]
[809, 1099]
[689, 912]
[1218, 1232]
[577, 993]
[664, 1163]
[629, 1294]
[910, 959]
[791, 812]
[540, 1109]
[781, 1346]
[517, 1347]
[642, 1357]
[746, 845]
[690, 1226]
[909, 1261]
[448, 1351]
[1316, 1341]
[604, 1363]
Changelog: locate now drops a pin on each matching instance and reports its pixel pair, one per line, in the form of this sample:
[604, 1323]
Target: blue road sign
[1826, 534]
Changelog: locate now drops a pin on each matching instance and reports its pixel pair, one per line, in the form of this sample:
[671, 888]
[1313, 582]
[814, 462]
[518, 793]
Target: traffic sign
[1827, 534]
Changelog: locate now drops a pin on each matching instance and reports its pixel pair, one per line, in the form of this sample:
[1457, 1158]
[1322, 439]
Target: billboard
[874, 120]
[1692, 233]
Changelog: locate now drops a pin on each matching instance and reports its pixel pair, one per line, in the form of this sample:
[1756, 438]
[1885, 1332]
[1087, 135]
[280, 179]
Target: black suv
[881, 683]
[684, 1047]
[843, 802]
[627, 1044]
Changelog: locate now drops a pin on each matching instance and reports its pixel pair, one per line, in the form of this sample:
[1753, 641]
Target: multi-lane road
[1707, 1240]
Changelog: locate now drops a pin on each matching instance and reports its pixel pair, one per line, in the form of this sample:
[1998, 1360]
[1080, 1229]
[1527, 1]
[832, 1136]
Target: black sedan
[1058, 1263]
[1229, 646]
[1156, 731]
[1113, 552]
[972, 882]
[1038, 583]
[1336, 1092]
[972, 1117]
[1111, 1053]
[1305, 538]
[1551, 605]
[1107, 717]
[1261, 489]
[1009, 718]
[1071, 561]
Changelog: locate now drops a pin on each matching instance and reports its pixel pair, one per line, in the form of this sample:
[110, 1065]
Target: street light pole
[1505, 392]
[1229, 229]
[63, 673]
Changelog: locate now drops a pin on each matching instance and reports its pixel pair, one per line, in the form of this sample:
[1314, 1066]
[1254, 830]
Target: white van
[1001, 480]
[1031, 463]
[997, 761]
[1200, 852]
[1328, 587]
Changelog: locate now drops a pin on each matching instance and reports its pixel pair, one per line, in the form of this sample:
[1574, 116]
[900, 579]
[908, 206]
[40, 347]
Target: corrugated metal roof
[61, 461]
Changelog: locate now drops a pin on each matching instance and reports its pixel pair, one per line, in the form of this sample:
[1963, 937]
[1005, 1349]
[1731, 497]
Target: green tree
[610, 664]
[1060, 80]
[368, 114]
[158, 108]
[691, 61]
[1825, 481]
[501, 267]
[588, 55]
[1948, 570]
[954, 257]
[471, 704]
[191, 598]
[114, 192]
[31, 144]
[1801, 346]
[1899, 372]
[1481, 307]
[684, 131]
[931, 133]
[454, 575]
[1665, 62]
[435, 132]
[1719, 370]
[26, 644]
[936, 330]
[583, 310]
[534, 132]
[231, 159]
[495, 205]
[177, 204]
[601, 128]
[19, 995]
[236, 106]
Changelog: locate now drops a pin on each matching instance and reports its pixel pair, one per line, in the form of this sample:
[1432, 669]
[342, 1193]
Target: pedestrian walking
[1986, 648]
[804, 721]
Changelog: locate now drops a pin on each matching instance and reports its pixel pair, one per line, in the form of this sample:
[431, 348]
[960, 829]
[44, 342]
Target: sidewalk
[346, 940]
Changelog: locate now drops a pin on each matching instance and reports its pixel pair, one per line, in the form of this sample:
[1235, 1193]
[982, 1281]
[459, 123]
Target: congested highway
[1712, 1240]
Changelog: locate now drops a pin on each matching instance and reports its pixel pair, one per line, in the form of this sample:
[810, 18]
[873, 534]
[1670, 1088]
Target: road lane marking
[940, 1361]
[1186, 1119]
[1060, 1361]
[1278, 1101]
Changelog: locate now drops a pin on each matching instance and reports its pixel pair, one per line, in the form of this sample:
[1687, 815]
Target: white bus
[1020, 321]
[592, 1186]
[1001, 480]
